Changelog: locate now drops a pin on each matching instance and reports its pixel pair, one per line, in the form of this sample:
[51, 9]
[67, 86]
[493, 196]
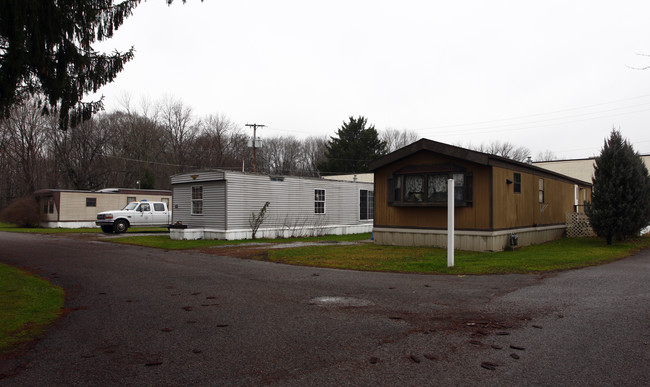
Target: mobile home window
[517, 180]
[429, 189]
[541, 190]
[165, 200]
[48, 206]
[319, 201]
[366, 204]
[459, 186]
[130, 199]
[437, 187]
[91, 202]
[414, 188]
[197, 200]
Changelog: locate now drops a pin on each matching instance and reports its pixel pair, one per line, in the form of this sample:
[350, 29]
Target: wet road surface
[141, 316]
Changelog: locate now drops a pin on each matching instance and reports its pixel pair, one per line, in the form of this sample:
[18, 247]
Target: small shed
[219, 204]
[495, 198]
[77, 208]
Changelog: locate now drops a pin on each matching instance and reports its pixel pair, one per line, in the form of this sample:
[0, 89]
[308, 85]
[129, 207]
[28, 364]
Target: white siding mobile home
[219, 204]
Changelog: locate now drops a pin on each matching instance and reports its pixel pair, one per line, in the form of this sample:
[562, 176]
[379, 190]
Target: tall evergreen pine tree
[621, 191]
[353, 149]
[46, 49]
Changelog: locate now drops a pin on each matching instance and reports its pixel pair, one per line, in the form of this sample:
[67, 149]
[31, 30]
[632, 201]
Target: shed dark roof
[465, 154]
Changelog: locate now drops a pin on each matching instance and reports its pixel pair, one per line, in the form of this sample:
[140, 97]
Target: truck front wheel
[107, 229]
[120, 226]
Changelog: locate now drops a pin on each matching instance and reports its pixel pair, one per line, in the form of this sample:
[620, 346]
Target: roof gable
[463, 154]
[431, 146]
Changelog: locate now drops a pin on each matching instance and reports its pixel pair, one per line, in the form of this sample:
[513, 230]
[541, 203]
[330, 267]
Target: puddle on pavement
[340, 301]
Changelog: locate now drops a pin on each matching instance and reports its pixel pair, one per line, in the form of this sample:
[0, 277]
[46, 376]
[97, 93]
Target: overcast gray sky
[548, 75]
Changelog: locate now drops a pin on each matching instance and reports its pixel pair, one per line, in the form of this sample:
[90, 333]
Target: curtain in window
[437, 188]
[414, 188]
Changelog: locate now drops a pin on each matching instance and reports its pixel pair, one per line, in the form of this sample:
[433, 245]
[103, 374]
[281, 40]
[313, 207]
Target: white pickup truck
[135, 214]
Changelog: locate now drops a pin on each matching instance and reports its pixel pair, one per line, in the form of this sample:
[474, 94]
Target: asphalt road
[142, 316]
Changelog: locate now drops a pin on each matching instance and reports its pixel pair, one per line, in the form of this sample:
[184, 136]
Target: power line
[531, 125]
[150, 162]
[540, 114]
[510, 124]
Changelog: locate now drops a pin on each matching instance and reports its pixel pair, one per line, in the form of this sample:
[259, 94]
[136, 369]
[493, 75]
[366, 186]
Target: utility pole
[255, 126]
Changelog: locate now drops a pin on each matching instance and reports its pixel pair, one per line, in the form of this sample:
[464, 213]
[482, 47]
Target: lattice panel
[577, 225]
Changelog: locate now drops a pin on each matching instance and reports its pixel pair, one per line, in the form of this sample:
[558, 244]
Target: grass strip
[164, 242]
[562, 254]
[84, 230]
[28, 305]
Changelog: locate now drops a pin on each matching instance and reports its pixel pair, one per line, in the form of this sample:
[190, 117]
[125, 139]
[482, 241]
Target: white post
[450, 223]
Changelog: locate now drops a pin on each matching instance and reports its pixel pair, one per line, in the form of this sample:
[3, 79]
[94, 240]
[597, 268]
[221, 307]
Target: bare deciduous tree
[503, 149]
[547, 155]
[314, 154]
[146, 144]
[396, 139]
[80, 153]
[24, 141]
[213, 146]
[281, 155]
[139, 144]
[180, 130]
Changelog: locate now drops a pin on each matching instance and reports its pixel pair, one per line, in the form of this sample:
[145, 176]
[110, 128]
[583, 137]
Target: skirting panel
[467, 240]
[271, 233]
[70, 224]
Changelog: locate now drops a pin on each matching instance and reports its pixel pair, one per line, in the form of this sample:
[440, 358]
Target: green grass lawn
[164, 242]
[562, 254]
[87, 230]
[28, 305]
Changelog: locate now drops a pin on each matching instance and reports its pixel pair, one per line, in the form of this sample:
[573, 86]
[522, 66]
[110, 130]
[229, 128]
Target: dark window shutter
[469, 189]
[391, 190]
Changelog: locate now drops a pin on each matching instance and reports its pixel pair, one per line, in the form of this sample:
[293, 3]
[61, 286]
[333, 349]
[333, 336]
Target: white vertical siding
[228, 204]
[291, 201]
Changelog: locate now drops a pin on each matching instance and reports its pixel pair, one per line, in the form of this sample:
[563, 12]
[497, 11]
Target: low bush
[23, 212]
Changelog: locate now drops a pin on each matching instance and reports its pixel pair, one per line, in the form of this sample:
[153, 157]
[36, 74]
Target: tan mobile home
[73, 208]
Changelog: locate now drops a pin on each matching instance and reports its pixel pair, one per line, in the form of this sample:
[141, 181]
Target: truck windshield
[130, 206]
